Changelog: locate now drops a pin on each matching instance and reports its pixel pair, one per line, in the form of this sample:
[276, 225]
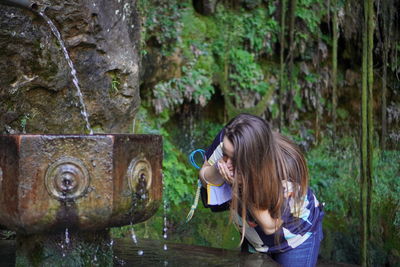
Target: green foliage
[311, 12]
[335, 178]
[24, 120]
[334, 175]
[342, 114]
[115, 83]
[246, 74]
[179, 176]
[195, 85]
[260, 29]
[387, 183]
[255, 30]
[161, 22]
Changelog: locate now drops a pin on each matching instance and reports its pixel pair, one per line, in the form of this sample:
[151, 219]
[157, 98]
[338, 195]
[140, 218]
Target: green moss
[98, 128]
[115, 82]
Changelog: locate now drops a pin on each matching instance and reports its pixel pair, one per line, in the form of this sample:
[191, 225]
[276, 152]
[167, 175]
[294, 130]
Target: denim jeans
[304, 255]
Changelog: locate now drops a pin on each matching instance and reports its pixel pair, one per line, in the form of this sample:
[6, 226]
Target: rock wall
[37, 94]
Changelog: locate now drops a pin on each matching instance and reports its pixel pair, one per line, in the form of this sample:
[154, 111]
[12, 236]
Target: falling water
[73, 71]
[66, 236]
[133, 235]
[134, 239]
[165, 229]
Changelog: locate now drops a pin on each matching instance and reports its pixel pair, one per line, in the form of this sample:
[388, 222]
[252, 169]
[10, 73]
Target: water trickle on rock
[75, 80]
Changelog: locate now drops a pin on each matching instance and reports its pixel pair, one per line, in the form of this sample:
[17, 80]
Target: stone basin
[81, 182]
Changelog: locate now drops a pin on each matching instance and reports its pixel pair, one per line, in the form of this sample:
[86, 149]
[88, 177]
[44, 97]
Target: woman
[262, 176]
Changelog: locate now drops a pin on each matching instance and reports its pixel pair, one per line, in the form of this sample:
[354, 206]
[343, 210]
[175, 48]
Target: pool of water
[154, 254]
[160, 253]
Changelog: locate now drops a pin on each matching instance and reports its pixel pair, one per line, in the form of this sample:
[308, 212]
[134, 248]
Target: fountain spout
[20, 3]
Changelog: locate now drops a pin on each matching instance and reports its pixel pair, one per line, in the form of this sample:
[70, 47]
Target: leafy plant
[245, 73]
[194, 85]
[161, 23]
[115, 83]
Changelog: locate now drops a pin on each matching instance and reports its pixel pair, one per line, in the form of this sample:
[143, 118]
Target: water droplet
[66, 236]
[140, 252]
[165, 247]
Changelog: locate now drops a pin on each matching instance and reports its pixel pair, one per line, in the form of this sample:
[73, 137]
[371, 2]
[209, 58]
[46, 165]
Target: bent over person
[262, 177]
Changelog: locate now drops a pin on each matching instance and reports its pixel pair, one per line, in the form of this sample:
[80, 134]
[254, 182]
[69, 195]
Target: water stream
[75, 80]
[134, 239]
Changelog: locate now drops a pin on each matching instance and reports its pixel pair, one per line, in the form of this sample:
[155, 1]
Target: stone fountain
[81, 182]
[84, 183]
[62, 192]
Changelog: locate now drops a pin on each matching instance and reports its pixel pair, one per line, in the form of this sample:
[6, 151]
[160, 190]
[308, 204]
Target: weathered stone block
[89, 182]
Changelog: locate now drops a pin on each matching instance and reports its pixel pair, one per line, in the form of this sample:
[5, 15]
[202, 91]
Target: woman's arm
[266, 222]
[210, 175]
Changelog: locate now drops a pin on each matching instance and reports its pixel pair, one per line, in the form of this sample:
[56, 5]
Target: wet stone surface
[153, 253]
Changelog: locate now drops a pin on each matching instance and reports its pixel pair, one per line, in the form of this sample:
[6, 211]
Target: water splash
[119, 261]
[75, 81]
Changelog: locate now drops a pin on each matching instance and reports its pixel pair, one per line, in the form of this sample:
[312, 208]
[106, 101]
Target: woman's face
[228, 152]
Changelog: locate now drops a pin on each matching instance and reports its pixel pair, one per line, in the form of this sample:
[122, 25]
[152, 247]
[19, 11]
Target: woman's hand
[226, 170]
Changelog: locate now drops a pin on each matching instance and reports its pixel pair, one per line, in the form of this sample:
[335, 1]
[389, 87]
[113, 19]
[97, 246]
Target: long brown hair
[262, 160]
